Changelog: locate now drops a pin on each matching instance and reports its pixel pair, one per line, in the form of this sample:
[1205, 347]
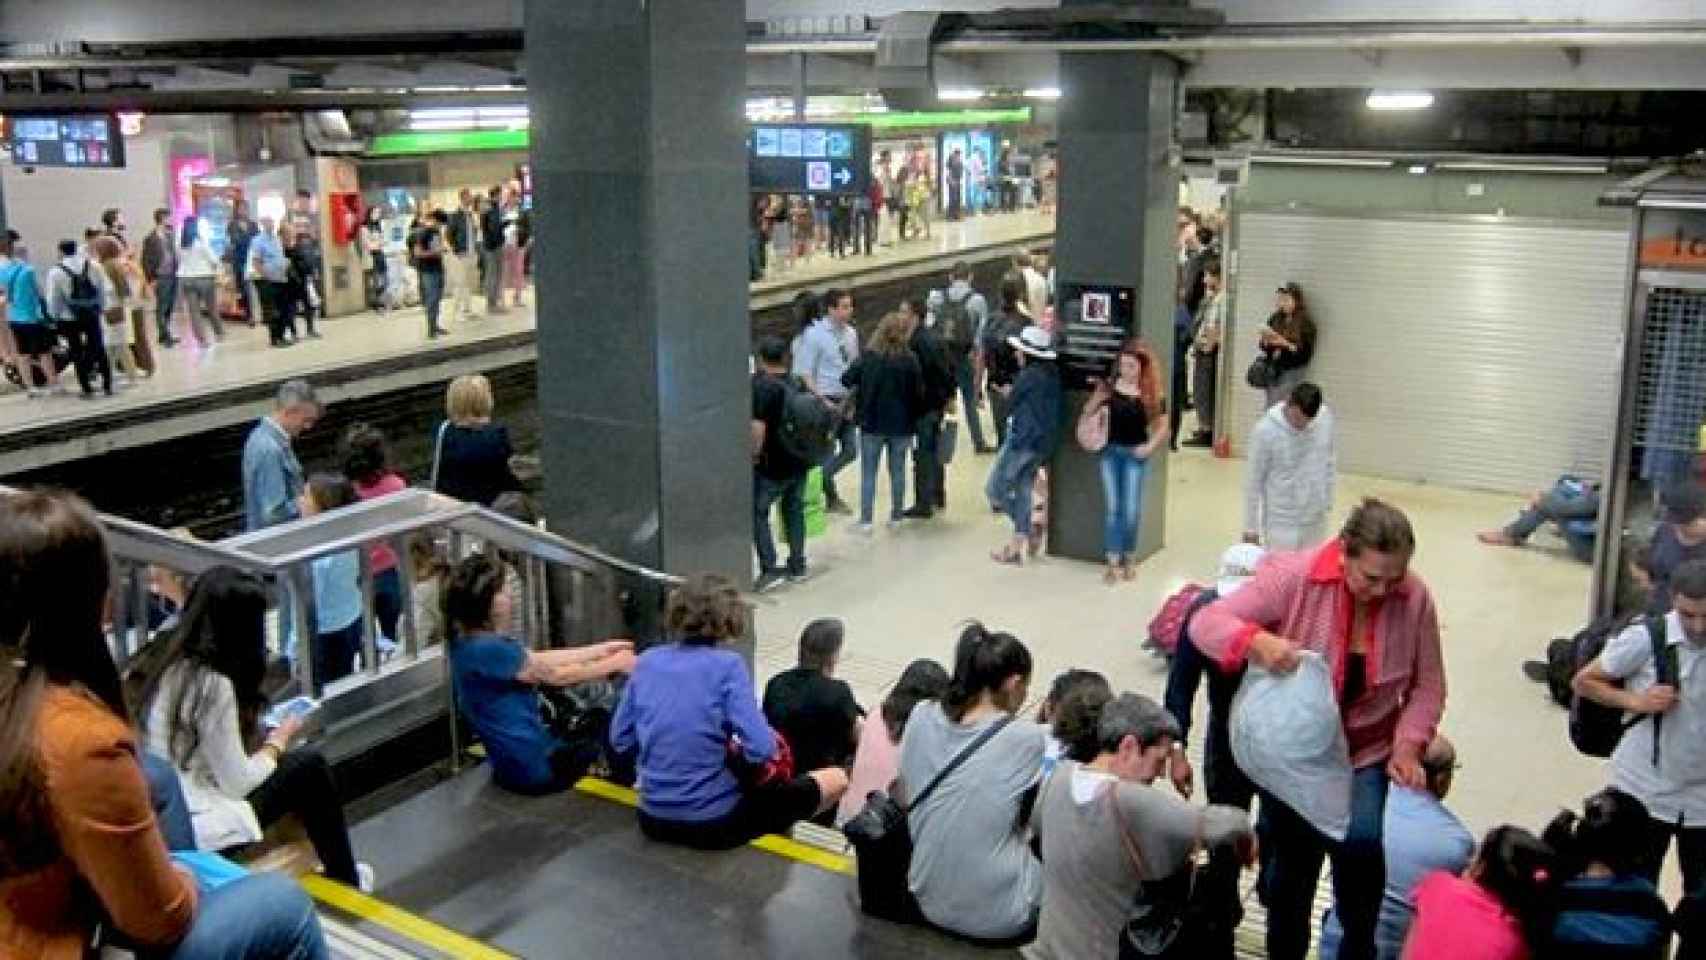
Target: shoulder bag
[883, 840]
[1093, 428]
[1159, 926]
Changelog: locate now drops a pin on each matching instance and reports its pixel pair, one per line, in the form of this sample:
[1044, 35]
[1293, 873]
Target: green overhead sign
[417, 142]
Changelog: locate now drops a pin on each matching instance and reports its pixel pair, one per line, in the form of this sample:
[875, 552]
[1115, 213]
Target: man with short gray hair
[1103, 827]
[272, 476]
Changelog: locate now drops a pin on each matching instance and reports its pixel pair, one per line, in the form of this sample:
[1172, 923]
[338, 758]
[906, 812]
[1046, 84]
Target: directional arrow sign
[843, 175]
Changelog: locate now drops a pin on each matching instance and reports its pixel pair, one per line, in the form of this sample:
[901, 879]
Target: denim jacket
[272, 477]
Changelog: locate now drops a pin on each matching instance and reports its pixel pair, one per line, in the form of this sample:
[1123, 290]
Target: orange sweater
[108, 841]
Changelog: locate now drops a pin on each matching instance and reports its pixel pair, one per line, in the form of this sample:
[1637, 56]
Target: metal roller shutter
[1466, 352]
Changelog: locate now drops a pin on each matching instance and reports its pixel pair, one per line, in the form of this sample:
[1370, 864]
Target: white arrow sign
[844, 175]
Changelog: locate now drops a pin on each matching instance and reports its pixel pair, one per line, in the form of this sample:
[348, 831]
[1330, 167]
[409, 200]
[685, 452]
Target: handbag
[1093, 429]
[883, 840]
[1263, 373]
[1158, 925]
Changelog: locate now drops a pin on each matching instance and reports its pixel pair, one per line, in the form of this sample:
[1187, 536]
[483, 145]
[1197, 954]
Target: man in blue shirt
[827, 348]
[1421, 836]
[272, 476]
[26, 320]
[270, 271]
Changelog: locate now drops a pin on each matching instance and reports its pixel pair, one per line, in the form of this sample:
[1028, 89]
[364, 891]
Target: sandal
[1111, 575]
[1129, 571]
[1007, 555]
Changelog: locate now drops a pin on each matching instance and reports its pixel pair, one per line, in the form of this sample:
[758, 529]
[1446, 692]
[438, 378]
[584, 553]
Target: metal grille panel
[1467, 353]
[1670, 398]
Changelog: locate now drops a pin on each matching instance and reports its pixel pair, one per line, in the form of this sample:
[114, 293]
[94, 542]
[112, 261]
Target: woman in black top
[1288, 340]
[890, 385]
[1137, 425]
[471, 453]
[996, 356]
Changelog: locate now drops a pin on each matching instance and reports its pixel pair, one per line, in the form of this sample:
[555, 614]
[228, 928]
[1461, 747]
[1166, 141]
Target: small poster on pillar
[1095, 320]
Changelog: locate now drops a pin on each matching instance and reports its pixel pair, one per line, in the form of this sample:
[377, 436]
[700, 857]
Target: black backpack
[1567, 655]
[807, 426]
[84, 300]
[1595, 728]
[954, 325]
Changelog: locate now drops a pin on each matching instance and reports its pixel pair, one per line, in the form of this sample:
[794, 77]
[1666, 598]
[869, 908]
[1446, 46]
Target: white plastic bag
[1289, 740]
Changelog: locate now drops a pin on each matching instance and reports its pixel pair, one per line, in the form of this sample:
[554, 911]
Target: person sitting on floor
[1498, 909]
[813, 710]
[1048, 713]
[876, 763]
[690, 713]
[199, 695]
[497, 681]
[1107, 838]
[1607, 909]
[85, 866]
[973, 872]
[1572, 503]
[1419, 836]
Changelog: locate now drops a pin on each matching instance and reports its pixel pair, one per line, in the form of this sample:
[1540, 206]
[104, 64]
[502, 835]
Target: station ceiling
[256, 54]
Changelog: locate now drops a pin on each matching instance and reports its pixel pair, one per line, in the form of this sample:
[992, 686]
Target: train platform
[367, 354]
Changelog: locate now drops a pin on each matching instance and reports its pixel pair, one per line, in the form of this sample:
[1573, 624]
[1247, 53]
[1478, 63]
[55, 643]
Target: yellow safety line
[399, 921]
[770, 843]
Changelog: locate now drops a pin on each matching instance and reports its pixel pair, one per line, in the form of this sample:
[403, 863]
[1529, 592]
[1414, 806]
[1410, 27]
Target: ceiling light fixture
[959, 93]
[1400, 100]
[1042, 93]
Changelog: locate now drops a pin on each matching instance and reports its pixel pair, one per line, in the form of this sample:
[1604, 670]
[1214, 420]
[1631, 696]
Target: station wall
[1455, 348]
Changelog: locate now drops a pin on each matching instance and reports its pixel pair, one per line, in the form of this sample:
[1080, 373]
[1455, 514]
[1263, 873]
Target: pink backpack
[1164, 630]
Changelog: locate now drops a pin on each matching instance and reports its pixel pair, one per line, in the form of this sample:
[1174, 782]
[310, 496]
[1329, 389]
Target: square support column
[640, 176]
[1118, 198]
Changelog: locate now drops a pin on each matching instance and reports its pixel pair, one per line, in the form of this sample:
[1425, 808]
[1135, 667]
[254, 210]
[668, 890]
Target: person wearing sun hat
[1032, 432]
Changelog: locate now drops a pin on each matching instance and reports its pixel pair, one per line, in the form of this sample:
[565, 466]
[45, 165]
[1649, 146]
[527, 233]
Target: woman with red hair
[1137, 426]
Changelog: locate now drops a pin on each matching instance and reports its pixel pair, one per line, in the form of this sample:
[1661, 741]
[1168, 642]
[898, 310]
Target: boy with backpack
[76, 303]
[1655, 673]
[792, 430]
[960, 314]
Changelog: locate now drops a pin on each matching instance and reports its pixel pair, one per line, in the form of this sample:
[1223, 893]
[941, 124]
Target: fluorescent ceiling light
[1043, 93]
[1418, 168]
[441, 124]
[1474, 166]
[959, 93]
[1400, 100]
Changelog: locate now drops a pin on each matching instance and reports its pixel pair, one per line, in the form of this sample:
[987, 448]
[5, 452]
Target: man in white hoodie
[1288, 483]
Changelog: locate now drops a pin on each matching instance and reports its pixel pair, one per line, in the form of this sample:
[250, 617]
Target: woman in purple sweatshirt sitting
[691, 713]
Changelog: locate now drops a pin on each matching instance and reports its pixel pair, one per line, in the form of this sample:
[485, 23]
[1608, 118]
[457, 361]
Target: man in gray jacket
[1288, 483]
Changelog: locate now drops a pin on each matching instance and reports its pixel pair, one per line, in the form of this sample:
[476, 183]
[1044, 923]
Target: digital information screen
[83, 140]
[828, 159]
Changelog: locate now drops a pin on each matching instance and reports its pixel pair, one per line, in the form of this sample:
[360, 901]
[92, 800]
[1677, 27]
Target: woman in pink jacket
[1354, 602]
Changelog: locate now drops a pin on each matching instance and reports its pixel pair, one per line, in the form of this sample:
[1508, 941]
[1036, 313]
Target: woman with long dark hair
[82, 862]
[367, 466]
[1288, 341]
[876, 761]
[1607, 908]
[198, 269]
[1501, 908]
[199, 692]
[972, 869]
[1136, 428]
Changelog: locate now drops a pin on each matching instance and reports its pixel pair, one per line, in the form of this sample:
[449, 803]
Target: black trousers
[89, 352]
[771, 808]
[929, 480]
[303, 785]
[998, 410]
[1690, 852]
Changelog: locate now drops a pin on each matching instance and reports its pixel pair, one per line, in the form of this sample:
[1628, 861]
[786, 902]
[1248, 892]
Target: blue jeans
[871, 447]
[261, 915]
[765, 493]
[1359, 870]
[1011, 482]
[432, 291]
[847, 448]
[1122, 499]
[166, 793]
[965, 376]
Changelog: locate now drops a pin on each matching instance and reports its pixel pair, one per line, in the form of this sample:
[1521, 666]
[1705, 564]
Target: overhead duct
[903, 59]
[328, 133]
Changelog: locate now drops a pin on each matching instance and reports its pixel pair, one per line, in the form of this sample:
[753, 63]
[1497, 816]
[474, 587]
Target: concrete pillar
[1118, 199]
[639, 170]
